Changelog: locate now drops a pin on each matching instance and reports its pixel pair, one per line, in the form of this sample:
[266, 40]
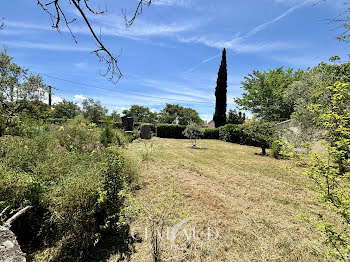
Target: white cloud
[54, 99]
[79, 97]
[81, 65]
[44, 46]
[182, 3]
[236, 45]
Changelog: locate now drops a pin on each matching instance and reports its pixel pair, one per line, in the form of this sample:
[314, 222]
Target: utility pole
[50, 95]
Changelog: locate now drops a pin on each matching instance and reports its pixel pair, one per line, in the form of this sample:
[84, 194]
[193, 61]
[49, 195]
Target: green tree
[261, 132]
[141, 114]
[93, 110]
[264, 93]
[115, 116]
[311, 88]
[234, 117]
[193, 132]
[221, 93]
[11, 76]
[330, 171]
[176, 114]
[65, 109]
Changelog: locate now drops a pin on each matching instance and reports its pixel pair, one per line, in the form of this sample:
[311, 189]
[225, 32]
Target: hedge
[170, 131]
[210, 133]
[236, 134]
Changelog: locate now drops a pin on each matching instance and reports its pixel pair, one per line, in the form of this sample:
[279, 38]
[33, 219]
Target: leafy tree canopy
[234, 117]
[176, 114]
[65, 109]
[141, 114]
[264, 93]
[93, 110]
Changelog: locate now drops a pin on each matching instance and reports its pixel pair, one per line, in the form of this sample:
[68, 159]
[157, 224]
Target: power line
[123, 92]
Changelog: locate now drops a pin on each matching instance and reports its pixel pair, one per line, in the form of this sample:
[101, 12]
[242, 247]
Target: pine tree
[221, 93]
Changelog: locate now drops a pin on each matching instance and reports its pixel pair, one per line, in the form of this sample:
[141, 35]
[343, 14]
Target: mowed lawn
[253, 201]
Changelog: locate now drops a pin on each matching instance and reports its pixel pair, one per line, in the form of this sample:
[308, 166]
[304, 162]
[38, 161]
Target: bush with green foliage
[280, 149]
[78, 137]
[3, 121]
[330, 172]
[193, 132]
[65, 109]
[63, 171]
[234, 134]
[261, 133]
[107, 136]
[234, 117]
[210, 133]
[170, 131]
[255, 133]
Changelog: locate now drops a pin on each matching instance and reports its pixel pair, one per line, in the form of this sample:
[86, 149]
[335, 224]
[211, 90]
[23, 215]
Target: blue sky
[173, 51]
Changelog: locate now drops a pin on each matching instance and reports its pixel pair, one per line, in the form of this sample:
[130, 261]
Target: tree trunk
[263, 150]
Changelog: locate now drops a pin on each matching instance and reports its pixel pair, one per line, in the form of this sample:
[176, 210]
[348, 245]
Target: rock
[10, 250]
[146, 132]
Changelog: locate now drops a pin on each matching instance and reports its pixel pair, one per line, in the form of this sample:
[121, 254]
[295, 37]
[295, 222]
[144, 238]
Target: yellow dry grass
[252, 200]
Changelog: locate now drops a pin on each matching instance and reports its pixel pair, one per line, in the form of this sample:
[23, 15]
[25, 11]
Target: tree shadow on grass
[198, 148]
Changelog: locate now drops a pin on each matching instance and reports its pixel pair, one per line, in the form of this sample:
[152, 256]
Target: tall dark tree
[221, 93]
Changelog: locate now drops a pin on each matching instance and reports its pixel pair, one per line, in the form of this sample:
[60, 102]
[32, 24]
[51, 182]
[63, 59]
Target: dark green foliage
[221, 93]
[234, 134]
[65, 109]
[141, 114]
[210, 133]
[176, 114]
[108, 134]
[234, 117]
[261, 133]
[3, 121]
[255, 133]
[170, 131]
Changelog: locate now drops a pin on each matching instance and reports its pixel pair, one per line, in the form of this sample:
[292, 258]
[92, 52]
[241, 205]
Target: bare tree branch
[54, 9]
[138, 12]
[1, 23]
[15, 216]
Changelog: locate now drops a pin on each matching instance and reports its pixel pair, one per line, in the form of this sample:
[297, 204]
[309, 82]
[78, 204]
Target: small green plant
[280, 149]
[146, 153]
[193, 132]
[108, 135]
[330, 172]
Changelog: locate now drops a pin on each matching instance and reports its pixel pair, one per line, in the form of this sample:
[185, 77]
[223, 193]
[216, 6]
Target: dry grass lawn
[252, 200]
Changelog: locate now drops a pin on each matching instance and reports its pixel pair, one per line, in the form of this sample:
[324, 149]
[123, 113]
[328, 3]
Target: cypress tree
[221, 93]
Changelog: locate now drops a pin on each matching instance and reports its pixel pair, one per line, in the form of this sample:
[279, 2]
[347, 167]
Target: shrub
[260, 132]
[193, 132]
[121, 138]
[78, 137]
[107, 136]
[210, 133]
[233, 133]
[3, 121]
[170, 131]
[255, 133]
